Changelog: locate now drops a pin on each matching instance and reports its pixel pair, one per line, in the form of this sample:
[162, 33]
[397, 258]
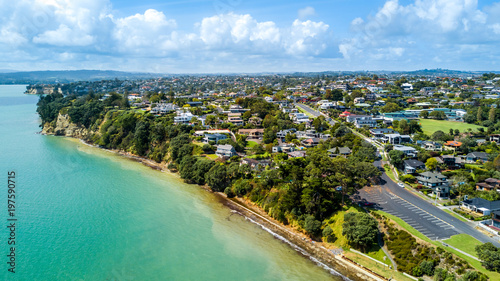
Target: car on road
[367, 204]
[401, 184]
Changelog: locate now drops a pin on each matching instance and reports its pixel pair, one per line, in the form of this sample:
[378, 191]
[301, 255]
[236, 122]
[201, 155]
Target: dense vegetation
[299, 191]
[419, 259]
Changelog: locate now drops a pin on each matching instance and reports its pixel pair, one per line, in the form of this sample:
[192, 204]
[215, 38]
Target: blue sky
[200, 36]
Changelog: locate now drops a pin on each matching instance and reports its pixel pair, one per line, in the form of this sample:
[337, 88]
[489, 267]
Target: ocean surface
[82, 213]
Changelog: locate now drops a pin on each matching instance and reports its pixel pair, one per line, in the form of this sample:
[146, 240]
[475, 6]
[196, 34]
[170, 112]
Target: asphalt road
[420, 214]
[315, 113]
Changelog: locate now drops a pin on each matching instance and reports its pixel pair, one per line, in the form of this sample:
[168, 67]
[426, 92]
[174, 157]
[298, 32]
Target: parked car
[401, 184]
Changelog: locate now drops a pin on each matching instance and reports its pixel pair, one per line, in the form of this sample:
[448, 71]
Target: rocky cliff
[64, 127]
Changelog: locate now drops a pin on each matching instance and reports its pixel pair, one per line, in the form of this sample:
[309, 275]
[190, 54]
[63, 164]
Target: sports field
[429, 126]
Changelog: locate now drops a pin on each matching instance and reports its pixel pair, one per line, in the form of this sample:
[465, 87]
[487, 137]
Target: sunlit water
[87, 214]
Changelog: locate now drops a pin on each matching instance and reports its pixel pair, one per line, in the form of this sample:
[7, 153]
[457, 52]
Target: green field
[464, 242]
[430, 126]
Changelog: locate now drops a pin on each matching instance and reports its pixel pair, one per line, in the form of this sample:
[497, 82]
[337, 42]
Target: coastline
[334, 264]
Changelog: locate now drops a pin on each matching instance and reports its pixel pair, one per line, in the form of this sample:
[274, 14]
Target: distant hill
[64, 76]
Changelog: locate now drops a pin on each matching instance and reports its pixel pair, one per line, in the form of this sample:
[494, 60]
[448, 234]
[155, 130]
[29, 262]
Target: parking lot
[422, 220]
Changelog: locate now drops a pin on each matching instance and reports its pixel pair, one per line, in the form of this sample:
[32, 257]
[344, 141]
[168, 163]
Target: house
[430, 145]
[163, 108]
[480, 205]
[282, 134]
[450, 161]
[495, 219]
[452, 145]
[362, 120]
[359, 100]
[408, 150]
[214, 137]
[345, 114]
[475, 156]
[411, 166]
[396, 138]
[225, 150]
[295, 154]
[183, 118]
[436, 181]
[495, 138]
[283, 148]
[237, 109]
[300, 118]
[252, 133]
[236, 120]
[488, 184]
[255, 164]
[379, 133]
[310, 142]
[339, 151]
[256, 121]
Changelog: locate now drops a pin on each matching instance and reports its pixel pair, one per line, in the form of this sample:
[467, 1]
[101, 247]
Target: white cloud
[64, 36]
[440, 28]
[307, 38]
[306, 12]
[149, 30]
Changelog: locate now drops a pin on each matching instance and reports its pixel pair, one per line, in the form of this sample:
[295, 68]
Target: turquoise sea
[87, 214]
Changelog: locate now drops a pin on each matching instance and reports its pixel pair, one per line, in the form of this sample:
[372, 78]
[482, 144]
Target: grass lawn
[464, 242]
[389, 173]
[262, 156]
[211, 156]
[429, 126]
[305, 112]
[251, 144]
[376, 267]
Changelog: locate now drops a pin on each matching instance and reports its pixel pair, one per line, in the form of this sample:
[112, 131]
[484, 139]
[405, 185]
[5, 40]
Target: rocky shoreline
[323, 257]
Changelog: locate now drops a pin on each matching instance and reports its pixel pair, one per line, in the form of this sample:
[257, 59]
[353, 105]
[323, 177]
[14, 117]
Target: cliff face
[64, 127]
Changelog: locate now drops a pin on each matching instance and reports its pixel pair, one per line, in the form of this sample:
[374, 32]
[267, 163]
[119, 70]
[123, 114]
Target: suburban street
[420, 214]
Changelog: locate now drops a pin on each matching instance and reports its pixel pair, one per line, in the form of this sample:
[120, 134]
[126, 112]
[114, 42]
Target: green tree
[437, 114]
[217, 178]
[396, 157]
[489, 256]
[424, 114]
[390, 107]
[312, 225]
[492, 115]
[329, 235]
[431, 164]
[479, 117]
[360, 229]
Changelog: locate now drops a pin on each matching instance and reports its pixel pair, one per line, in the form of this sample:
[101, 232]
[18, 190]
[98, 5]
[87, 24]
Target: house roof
[480, 155]
[453, 143]
[483, 203]
[414, 163]
[492, 180]
[225, 147]
[342, 150]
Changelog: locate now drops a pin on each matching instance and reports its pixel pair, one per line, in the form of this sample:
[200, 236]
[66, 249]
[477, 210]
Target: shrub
[311, 225]
[328, 234]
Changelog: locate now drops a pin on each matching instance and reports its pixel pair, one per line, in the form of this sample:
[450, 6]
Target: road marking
[420, 208]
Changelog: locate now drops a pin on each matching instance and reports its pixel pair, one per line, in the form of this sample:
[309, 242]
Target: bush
[328, 234]
[427, 267]
[360, 229]
[311, 225]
